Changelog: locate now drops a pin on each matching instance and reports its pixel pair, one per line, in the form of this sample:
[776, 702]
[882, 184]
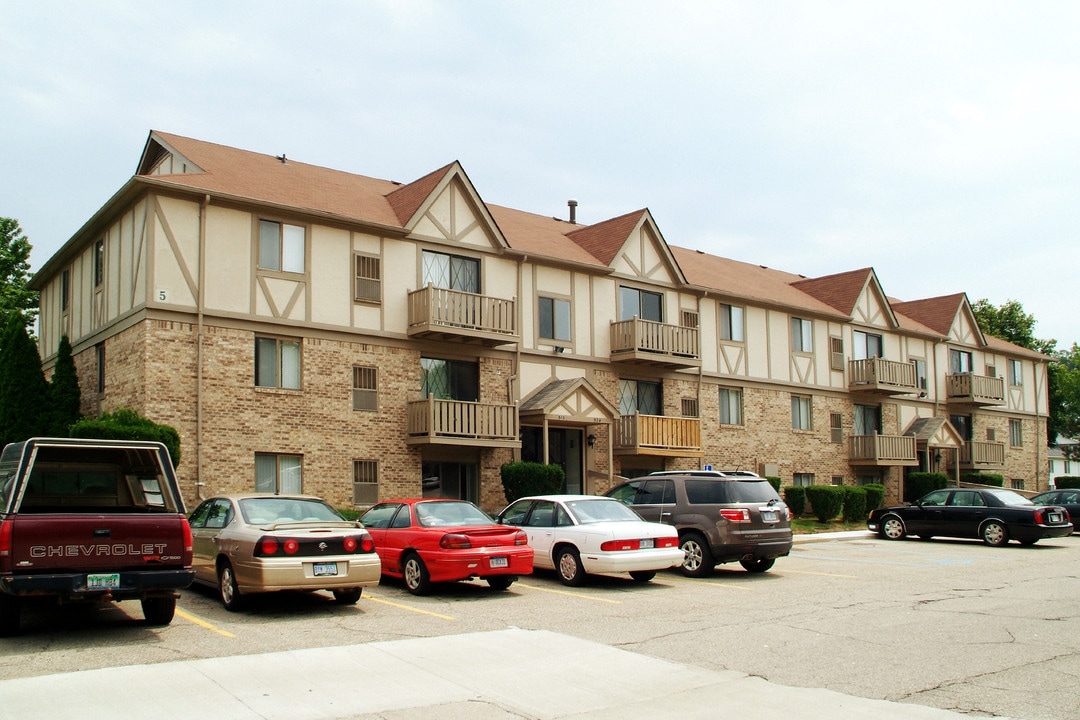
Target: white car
[580, 534]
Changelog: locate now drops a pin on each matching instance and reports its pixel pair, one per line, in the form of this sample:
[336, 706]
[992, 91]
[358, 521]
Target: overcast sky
[934, 141]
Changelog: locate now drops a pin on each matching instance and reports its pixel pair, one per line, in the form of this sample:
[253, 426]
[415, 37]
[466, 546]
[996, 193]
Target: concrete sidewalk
[496, 675]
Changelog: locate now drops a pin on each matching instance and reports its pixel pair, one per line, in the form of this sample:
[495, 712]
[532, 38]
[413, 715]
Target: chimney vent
[573, 211]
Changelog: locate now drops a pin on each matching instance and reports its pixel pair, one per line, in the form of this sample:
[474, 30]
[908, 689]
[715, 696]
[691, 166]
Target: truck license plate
[322, 569]
[498, 562]
[103, 581]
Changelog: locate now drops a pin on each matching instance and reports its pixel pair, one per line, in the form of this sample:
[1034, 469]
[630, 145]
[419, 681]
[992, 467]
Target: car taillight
[268, 546]
[350, 544]
[367, 544]
[736, 515]
[520, 538]
[1038, 517]
[189, 549]
[455, 541]
[611, 545]
[790, 515]
[291, 546]
[667, 542]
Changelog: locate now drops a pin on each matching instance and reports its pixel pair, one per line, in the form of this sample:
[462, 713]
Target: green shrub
[775, 482]
[1065, 482]
[825, 501]
[875, 496]
[126, 424]
[854, 503]
[978, 478]
[521, 479]
[349, 513]
[795, 498]
[917, 484]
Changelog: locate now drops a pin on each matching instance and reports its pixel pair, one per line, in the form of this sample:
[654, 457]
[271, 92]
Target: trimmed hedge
[1066, 482]
[854, 503]
[875, 496]
[775, 482]
[826, 501]
[979, 478]
[126, 424]
[917, 484]
[521, 479]
[795, 499]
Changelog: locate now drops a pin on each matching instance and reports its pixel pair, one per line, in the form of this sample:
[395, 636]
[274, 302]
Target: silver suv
[722, 516]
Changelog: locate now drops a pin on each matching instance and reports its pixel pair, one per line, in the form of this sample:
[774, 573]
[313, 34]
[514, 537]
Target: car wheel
[757, 565]
[10, 609]
[643, 575]
[994, 533]
[501, 582]
[158, 610]
[568, 563]
[227, 588]
[348, 596]
[698, 559]
[417, 580]
[892, 528]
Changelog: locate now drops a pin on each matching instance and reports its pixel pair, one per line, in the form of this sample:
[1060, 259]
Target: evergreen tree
[64, 397]
[23, 390]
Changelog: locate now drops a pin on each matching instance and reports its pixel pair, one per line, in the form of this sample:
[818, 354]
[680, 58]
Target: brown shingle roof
[937, 313]
[840, 291]
[407, 199]
[604, 239]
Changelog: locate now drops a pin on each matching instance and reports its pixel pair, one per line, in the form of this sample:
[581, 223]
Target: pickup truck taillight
[6, 529]
[189, 552]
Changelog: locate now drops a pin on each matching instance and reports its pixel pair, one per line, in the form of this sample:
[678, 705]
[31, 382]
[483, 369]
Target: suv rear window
[711, 492]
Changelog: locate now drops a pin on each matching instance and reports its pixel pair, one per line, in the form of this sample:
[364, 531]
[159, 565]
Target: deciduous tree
[15, 297]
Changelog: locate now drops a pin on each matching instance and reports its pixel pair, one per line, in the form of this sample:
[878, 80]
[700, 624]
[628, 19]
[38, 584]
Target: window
[836, 428]
[962, 423]
[802, 335]
[1017, 483]
[278, 474]
[281, 247]
[368, 281]
[451, 272]
[836, 353]
[365, 393]
[838, 480]
[800, 412]
[555, 319]
[640, 303]
[802, 479]
[959, 361]
[365, 482]
[1016, 373]
[920, 373]
[730, 406]
[867, 345]
[639, 396]
[1016, 433]
[689, 407]
[277, 363]
[867, 420]
[65, 290]
[100, 367]
[449, 379]
[99, 262]
[731, 323]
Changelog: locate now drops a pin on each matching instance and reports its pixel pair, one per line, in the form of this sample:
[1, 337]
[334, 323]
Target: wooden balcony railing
[452, 314]
[882, 450]
[877, 375]
[657, 435]
[459, 422]
[975, 389]
[638, 340]
[978, 454]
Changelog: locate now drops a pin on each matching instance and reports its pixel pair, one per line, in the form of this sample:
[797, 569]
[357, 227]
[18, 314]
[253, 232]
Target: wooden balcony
[657, 435]
[882, 377]
[882, 450]
[458, 422]
[971, 389]
[441, 314]
[655, 343]
[976, 455]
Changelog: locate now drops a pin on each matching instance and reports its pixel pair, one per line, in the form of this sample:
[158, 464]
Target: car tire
[994, 533]
[158, 611]
[10, 610]
[568, 565]
[698, 559]
[415, 573]
[892, 528]
[228, 590]
[758, 565]
[500, 582]
[348, 596]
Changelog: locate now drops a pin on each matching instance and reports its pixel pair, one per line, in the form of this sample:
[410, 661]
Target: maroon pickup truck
[91, 521]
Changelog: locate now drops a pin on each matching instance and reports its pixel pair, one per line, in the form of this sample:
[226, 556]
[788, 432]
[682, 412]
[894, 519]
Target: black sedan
[993, 514]
[1068, 499]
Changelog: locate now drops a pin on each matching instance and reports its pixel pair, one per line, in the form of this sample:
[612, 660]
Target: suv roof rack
[708, 473]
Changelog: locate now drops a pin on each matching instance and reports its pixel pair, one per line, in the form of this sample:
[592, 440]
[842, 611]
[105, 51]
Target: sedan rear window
[713, 492]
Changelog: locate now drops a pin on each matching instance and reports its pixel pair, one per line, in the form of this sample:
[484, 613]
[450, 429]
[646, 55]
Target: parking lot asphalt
[512, 673]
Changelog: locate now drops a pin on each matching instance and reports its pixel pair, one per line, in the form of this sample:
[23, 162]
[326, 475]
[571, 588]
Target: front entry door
[564, 449]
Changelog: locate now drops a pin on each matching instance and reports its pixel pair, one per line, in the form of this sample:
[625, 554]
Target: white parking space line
[568, 593]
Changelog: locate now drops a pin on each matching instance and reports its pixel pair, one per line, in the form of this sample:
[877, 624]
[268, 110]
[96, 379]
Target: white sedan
[580, 534]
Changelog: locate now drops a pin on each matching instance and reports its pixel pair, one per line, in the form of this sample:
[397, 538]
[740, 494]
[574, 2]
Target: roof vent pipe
[573, 211]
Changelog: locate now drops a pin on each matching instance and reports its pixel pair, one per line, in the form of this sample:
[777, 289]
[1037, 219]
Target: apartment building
[307, 329]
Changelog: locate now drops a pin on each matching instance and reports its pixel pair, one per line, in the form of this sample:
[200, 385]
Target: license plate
[322, 569]
[1055, 517]
[499, 562]
[103, 581]
[768, 516]
[647, 544]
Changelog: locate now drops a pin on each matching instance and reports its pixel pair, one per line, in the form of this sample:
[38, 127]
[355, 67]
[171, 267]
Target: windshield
[262, 511]
[450, 513]
[600, 510]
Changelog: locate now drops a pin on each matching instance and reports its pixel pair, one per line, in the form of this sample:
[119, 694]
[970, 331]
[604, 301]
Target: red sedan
[427, 541]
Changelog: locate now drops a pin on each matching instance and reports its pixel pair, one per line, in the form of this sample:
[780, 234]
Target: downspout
[701, 374]
[513, 397]
[200, 300]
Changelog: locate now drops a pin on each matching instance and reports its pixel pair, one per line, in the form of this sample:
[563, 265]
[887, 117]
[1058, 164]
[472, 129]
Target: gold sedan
[262, 543]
